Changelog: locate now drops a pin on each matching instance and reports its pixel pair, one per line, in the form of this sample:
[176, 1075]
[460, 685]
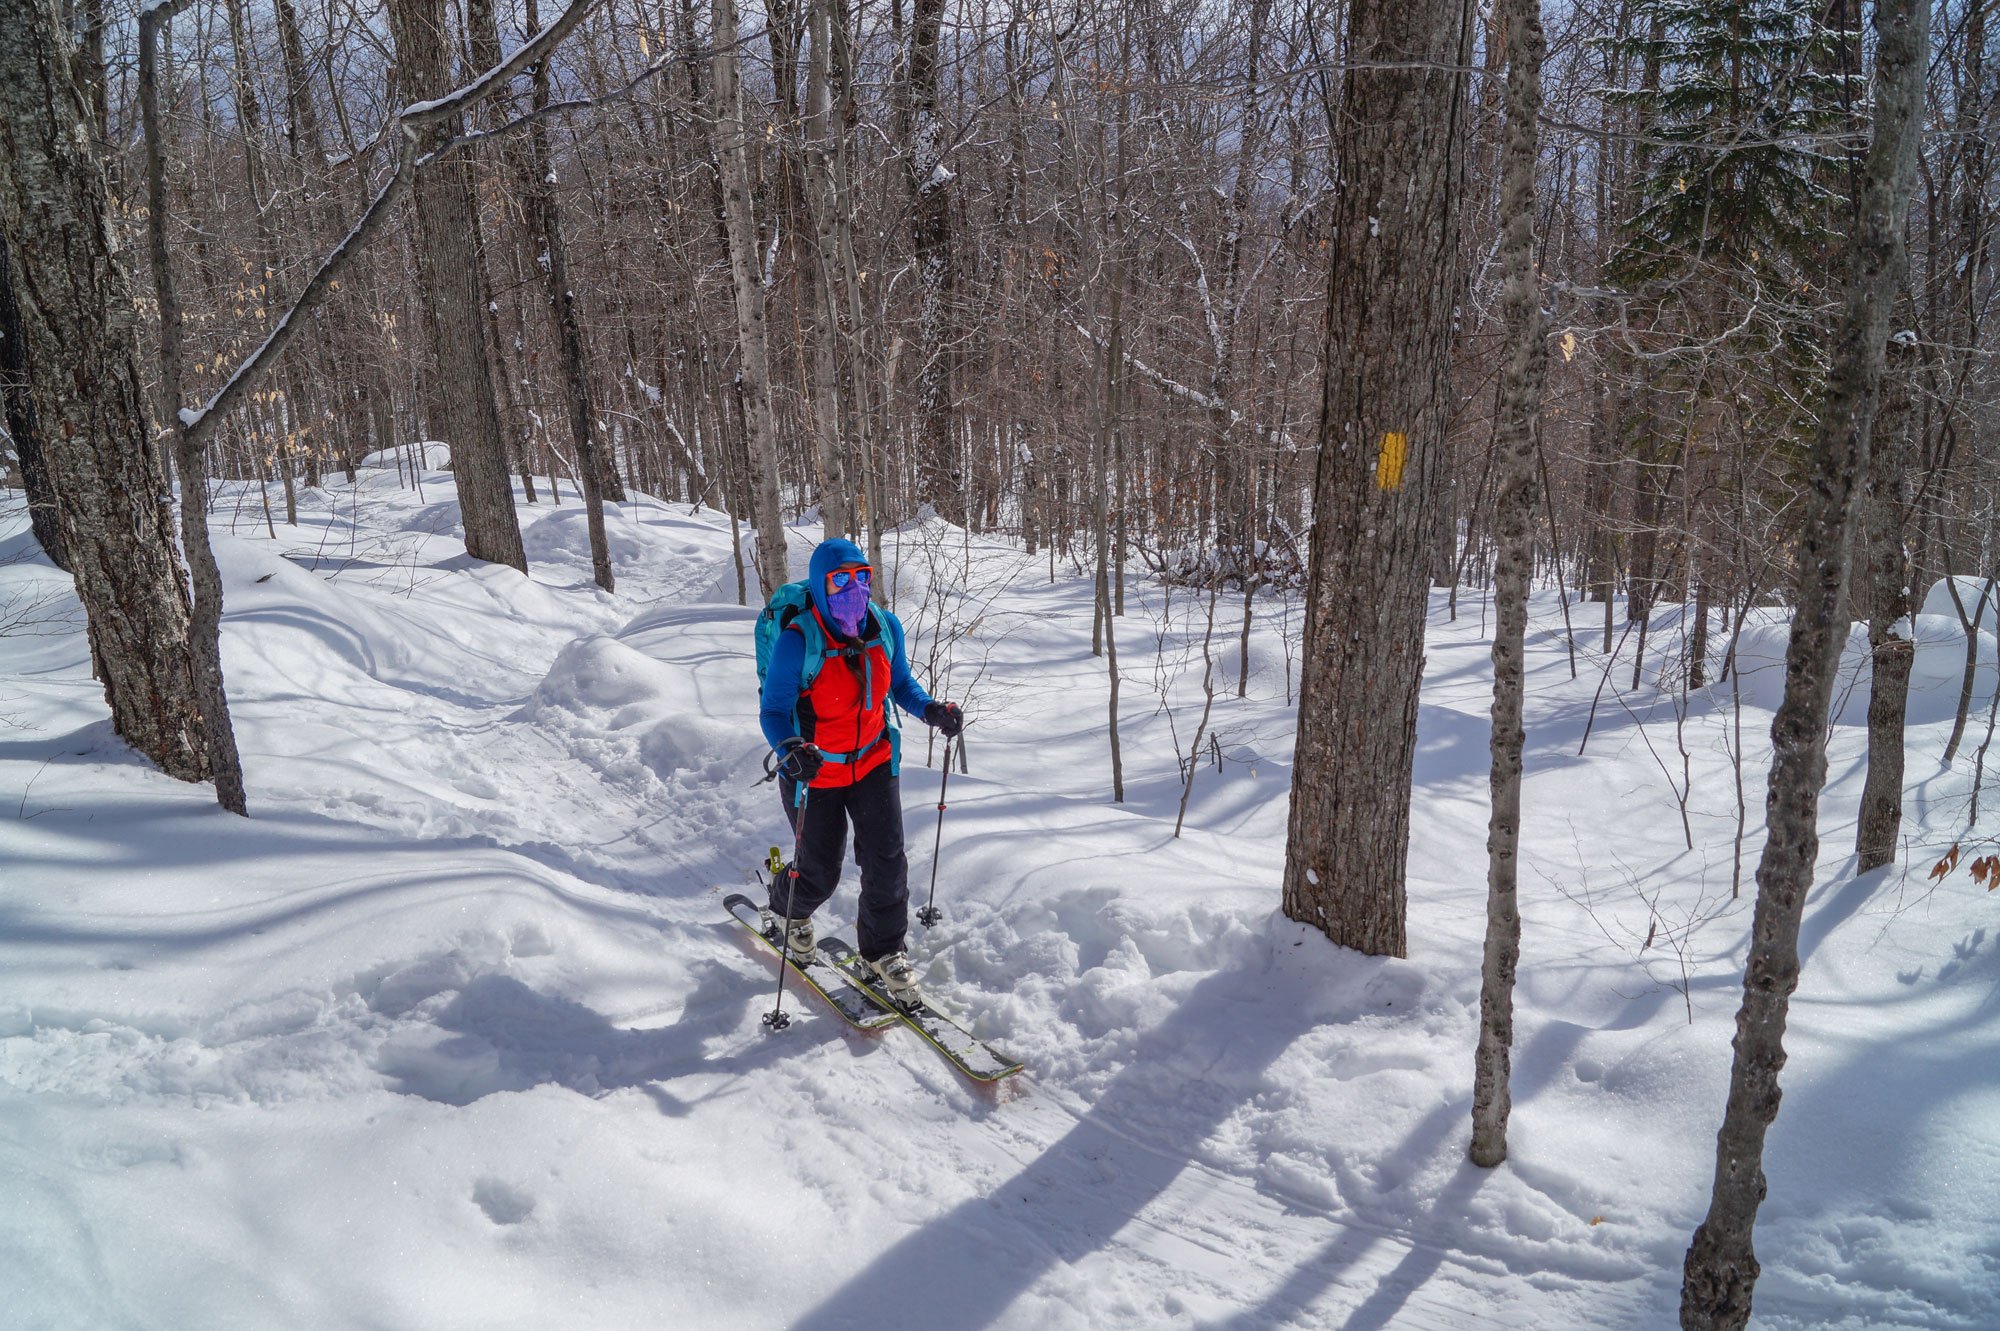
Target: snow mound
[600, 683]
[463, 984]
[1937, 601]
[441, 625]
[1939, 668]
[637, 716]
[663, 547]
[1761, 643]
[435, 455]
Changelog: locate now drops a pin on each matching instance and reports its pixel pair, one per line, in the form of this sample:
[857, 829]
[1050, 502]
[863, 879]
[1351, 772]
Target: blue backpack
[790, 607]
[790, 604]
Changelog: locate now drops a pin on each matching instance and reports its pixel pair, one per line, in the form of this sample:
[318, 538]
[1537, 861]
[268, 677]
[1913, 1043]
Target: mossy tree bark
[82, 351]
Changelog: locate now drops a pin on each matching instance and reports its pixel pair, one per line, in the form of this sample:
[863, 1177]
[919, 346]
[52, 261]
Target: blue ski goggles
[840, 579]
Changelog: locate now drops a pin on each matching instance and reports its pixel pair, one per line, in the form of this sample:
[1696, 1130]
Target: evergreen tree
[1743, 113]
[1744, 163]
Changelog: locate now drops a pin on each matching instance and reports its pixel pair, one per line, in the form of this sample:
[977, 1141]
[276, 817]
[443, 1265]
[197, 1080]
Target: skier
[832, 731]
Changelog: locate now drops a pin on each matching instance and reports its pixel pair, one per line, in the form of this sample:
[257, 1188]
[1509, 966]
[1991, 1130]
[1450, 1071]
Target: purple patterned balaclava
[849, 606]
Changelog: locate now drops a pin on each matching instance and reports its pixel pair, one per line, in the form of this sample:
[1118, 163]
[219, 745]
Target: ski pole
[930, 914]
[777, 1019]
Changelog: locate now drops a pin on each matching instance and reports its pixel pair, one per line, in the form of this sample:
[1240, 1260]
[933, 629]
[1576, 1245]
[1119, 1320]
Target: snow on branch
[417, 114]
[197, 423]
[1175, 388]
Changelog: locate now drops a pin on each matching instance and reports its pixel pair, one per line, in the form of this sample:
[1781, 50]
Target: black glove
[799, 760]
[945, 716]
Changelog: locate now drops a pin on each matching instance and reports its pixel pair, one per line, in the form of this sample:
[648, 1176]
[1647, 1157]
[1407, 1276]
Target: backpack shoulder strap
[802, 621]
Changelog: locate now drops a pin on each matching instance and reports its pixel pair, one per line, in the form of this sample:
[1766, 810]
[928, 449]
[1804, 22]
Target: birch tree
[1720, 1274]
[1513, 530]
[747, 279]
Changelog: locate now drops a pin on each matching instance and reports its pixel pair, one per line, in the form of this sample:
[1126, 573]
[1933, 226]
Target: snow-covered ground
[453, 1031]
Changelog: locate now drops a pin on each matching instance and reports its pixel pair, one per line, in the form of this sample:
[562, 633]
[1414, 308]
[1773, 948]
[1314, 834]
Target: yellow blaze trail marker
[1389, 459]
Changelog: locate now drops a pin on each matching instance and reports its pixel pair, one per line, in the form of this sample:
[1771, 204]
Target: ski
[967, 1052]
[859, 1008]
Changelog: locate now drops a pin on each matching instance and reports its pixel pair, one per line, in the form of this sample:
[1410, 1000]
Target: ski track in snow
[454, 1031]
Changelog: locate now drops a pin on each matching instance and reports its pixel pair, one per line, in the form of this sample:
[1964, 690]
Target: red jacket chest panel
[836, 691]
[847, 701]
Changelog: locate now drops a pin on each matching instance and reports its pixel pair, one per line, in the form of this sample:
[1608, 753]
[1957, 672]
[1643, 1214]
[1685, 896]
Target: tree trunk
[103, 464]
[1253, 578]
[1697, 650]
[866, 429]
[190, 458]
[1513, 531]
[17, 396]
[597, 476]
[942, 478]
[462, 405]
[1721, 1270]
[846, 444]
[1970, 623]
[760, 427]
[1102, 461]
[1883, 593]
[288, 402]
[1600, 547]
[823, 197]
[359, 374]
[535, 173]
[1383, 413]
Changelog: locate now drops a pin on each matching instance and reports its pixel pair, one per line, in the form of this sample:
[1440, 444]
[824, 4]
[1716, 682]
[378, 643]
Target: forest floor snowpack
[454, 1031]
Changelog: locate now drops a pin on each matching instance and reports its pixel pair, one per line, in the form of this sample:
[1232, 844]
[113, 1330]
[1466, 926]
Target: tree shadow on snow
[94, 743]
[1862, 1138]
[503, 1035]
[1352, 1244]
[962, 1270]
[349, 644]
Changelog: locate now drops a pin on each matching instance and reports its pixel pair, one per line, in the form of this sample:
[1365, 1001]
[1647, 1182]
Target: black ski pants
[874, 804]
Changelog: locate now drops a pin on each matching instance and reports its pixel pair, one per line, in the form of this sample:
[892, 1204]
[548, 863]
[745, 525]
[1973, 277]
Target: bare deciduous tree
[453, 298]
[746, 271]
[1393, 277]
[82, 351]
[1513, 530]
[1882, 579]
[1720, 1273]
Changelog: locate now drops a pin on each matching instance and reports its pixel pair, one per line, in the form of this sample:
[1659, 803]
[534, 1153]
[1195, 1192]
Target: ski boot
[896, 977]
[799, 940]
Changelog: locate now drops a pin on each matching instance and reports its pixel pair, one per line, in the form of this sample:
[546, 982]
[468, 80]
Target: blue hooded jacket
[781, 680]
